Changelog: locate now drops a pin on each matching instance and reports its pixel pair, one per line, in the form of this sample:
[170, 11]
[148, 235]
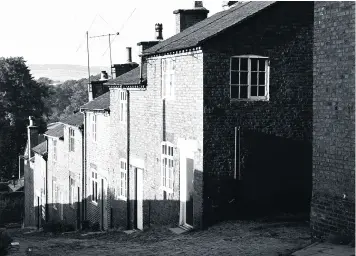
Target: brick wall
[68, 164]
[97, 158]
[333, 200]
[276, 134]
[150, 122]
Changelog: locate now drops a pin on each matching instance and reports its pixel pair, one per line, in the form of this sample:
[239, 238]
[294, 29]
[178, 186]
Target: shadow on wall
[113, 215]
[276, 180]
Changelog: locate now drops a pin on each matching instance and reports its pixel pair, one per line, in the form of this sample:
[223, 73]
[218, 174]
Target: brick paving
[229, 238]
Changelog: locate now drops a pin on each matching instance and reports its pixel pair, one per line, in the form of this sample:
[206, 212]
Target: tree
[20, 97]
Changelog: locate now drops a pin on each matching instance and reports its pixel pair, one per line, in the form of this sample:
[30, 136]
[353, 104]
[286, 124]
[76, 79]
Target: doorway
[139, 198]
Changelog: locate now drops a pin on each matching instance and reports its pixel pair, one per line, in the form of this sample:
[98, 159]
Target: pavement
[326, 249]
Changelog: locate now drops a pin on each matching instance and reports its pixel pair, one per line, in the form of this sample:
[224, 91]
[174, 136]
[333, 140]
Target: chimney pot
[129, 54]
[104, 76]
[31, 120]
[198, 4]
[159, 29]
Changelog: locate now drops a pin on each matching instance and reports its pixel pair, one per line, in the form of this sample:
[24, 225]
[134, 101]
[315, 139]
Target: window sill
[249, 100]
[122, 198]
[94, 203]
[168, 190]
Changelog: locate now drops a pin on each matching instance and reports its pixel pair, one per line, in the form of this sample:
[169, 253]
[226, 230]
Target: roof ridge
[227, 13]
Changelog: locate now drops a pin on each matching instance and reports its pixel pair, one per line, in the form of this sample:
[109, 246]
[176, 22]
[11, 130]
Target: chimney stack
[32, 136]
[159, 28]
[129, 54]
[227, 4]
[188, 17]
[104, 76]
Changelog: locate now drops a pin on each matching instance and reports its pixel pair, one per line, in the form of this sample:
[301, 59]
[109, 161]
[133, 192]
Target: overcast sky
[50, 32]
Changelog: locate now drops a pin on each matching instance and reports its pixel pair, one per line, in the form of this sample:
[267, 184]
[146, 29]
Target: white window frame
[122, 192]
[123, 106]
[94, 196]
[167, 166]
[249, 71]
[71, 139]
[54, 155]
[168, 77]
[71, 191]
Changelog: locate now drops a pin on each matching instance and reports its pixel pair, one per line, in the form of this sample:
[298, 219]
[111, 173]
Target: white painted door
[139, 187]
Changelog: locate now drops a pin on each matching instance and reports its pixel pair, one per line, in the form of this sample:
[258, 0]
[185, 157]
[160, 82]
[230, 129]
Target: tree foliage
[66, 98]
[20, 97]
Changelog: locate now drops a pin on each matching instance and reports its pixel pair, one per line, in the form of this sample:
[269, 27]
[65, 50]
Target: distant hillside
[63, 72]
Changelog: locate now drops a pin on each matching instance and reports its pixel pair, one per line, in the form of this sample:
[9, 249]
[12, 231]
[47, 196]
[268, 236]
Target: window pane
[234, 92]
[235, 64]
[254, 64]
[244, 65]
[262, 64]
[243, 92]
[234, 77]
[243, 77]
[254, 78]
[253, 90]
[261, 91]
[261, 79]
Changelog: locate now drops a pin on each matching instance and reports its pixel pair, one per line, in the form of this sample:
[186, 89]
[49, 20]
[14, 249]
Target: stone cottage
[219, 117]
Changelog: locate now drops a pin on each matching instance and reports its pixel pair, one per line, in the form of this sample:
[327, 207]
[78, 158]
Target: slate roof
[57, 131]
[40, 148]
[76, 119]
[130, 78]
[100, 103]
[209, 27]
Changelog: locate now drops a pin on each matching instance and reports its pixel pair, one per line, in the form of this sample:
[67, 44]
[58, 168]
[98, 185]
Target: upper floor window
[123, 106]
[249, 77]
[54, 150]
[71, 139]
[168, 69]
[93, 126]
[123, 179]
[167, 166]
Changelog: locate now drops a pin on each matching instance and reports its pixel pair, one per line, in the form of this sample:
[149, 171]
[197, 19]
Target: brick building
[53, 176]
[219, 117]
[333, 200]
[217, 123]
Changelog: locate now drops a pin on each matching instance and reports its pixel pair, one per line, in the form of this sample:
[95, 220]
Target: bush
[5, 241]
[95, 227]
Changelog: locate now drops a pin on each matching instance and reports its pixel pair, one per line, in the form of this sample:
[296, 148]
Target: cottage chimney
[129, 54]
[159, 28]
[227, 4]
[188, 17]
[32, 136]
[104, 76]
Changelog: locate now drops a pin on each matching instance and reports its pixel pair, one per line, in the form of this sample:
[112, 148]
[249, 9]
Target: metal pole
[110, 56]
[88, 57]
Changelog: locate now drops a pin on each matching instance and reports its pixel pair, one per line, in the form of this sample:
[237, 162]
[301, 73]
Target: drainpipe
[84, 169]
[46, 159]
[128, 159]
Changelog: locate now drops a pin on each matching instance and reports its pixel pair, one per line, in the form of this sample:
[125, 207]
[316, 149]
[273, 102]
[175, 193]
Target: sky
[53, 32]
